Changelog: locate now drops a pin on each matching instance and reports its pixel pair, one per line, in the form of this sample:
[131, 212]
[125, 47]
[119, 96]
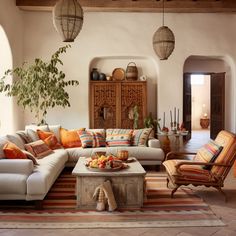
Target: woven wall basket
[163, 42]
[68, 19]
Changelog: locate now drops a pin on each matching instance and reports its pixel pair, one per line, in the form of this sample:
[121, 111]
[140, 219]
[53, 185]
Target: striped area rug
[159, 210]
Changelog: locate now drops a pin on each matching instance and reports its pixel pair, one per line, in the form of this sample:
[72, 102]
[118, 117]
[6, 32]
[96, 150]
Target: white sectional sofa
[22, 180]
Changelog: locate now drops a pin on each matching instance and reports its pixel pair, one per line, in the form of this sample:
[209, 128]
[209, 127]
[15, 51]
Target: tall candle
[178, 117]
[170, 116]
[164, 120]
[175, 115]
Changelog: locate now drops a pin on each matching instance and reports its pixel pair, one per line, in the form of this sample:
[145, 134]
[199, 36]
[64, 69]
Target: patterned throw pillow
[208, 153]
[39, 149]
[49, 138]
[92, 139]
[140, 136]
[70, 138]
[11, 151]
[118, 137]
[24, 136]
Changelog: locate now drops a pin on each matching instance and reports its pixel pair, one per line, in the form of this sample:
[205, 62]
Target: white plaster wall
[130, 34]
[11, 22]
[200, 96]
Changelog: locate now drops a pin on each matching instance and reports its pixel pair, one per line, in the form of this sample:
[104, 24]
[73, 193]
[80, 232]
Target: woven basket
[131, 71]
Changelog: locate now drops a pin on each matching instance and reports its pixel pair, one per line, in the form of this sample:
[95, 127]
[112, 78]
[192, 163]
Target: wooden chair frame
[218, 182]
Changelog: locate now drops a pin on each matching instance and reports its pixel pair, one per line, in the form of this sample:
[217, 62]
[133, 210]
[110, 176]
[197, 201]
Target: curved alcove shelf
[146, 66]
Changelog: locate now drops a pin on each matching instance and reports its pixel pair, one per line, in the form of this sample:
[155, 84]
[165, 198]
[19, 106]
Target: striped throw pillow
[91, 139]
[118, 137]
[208, 153]
[140, 136]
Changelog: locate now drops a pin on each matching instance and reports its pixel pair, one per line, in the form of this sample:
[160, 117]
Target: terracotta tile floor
[227, 211]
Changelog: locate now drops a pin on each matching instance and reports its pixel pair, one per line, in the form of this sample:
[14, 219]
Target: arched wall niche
[6, 103]
[217, 64]
[146, 66]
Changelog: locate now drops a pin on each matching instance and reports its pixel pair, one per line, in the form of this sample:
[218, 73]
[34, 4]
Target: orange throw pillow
[11, 151]
[43, 134]
[49, 138]
[70, 138]
[52, 142]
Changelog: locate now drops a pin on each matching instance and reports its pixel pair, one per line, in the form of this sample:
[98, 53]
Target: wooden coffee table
[127, 184]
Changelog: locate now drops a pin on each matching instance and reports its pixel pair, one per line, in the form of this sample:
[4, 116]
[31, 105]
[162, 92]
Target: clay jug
[131, 71]
[94, 75]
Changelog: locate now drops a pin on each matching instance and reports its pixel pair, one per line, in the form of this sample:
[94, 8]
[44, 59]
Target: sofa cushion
[38, 149]
[16, 139]
[70, 138]
[32, 134]
[140, 136]
[11, 151]
[118, 137]
[24, 136]
[56, 130]
[44, 175]
[35, 127]
[12, 183]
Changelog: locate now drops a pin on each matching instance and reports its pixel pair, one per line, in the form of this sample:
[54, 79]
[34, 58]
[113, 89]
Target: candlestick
[164, 120]
[174, 114]
[170, 116]
[178, 117]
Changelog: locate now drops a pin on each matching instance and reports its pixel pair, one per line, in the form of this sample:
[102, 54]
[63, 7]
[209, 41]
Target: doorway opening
[201, 105]
[220, 109]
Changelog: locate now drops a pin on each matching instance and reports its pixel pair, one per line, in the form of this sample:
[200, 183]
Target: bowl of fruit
[105, 163]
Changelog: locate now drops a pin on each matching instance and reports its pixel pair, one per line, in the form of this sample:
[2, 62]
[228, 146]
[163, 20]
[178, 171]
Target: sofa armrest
[154, 143]
[16, 166]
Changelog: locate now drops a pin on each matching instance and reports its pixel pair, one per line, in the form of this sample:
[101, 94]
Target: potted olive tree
[39, 86]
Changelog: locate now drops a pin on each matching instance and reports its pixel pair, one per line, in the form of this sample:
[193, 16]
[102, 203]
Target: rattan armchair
[192, 171]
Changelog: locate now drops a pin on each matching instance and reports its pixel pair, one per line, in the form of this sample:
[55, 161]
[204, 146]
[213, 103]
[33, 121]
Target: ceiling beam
[178, 6]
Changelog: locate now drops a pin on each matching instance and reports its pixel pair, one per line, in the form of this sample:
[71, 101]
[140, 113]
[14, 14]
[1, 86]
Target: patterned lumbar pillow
[140, 136]
[118, 137]
[39, 149]
[208, 153]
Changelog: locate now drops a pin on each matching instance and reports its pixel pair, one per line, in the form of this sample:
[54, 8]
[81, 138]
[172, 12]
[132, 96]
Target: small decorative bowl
[123, 155]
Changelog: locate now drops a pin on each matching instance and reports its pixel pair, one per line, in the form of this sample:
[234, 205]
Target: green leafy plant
[150, 122]
[136, 116]
[39, 86]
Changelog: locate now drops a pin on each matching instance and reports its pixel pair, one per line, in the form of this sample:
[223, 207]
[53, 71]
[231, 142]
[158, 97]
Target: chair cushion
[228, 141]
[208, 153]
[188, 172]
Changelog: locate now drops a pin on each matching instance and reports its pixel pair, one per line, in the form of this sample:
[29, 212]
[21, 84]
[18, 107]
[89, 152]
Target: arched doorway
[209, 66]
[6, 103]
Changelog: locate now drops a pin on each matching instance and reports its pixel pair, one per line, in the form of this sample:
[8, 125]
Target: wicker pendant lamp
[68, 19]
[163, 40]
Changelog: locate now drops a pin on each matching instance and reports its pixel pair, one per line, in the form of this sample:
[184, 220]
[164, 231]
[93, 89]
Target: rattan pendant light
[163, 40]
[68, 19]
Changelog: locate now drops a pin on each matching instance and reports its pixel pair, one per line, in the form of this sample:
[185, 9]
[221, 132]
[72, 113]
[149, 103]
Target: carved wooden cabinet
[112, 103]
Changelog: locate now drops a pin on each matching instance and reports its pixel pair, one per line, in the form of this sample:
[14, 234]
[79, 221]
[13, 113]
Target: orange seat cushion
[70, 138]
[11, 151]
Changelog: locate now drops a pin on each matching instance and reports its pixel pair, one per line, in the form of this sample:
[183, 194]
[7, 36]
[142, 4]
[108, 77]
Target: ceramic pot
[94, 75]
[102, 76]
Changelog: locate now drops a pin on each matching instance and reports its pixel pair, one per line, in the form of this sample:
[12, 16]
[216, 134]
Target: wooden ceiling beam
[178, 6]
